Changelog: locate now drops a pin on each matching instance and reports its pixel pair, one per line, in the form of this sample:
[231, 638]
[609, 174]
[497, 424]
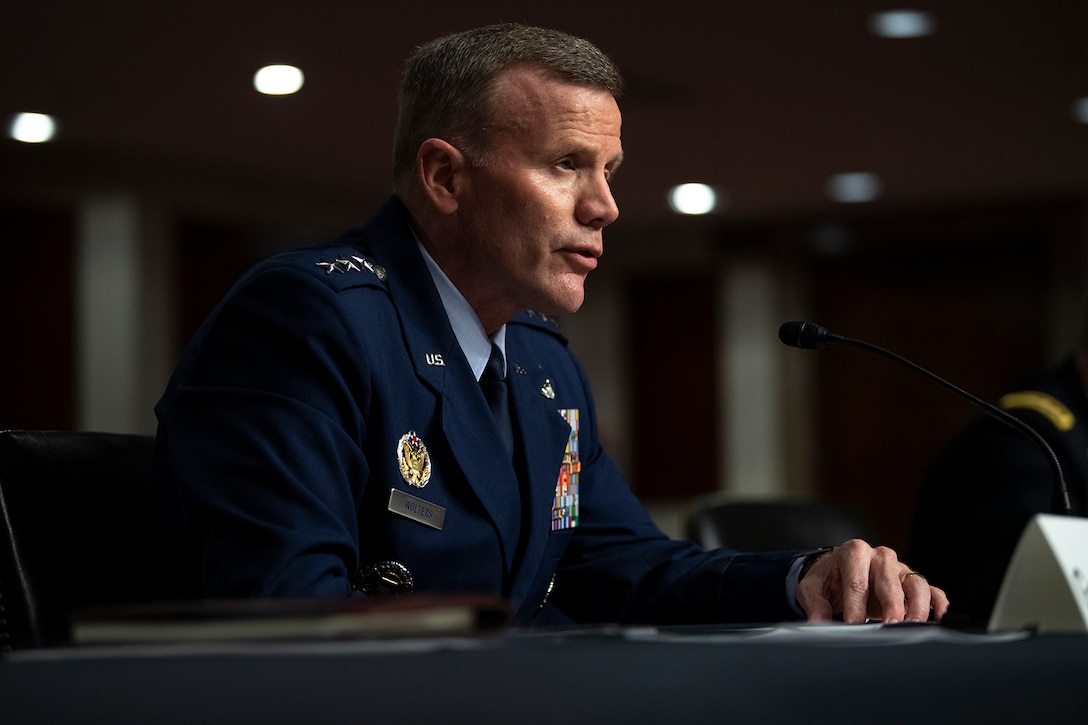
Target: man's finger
[917, 591]
[853, 565]
[888, 592]
[938, 602]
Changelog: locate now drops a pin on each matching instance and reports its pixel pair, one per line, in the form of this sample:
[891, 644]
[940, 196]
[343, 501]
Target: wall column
[120, 353]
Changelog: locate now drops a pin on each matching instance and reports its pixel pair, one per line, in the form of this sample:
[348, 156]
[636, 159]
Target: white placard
[1046, 585]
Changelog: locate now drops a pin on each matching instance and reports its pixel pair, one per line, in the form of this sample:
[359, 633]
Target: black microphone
[810, 336]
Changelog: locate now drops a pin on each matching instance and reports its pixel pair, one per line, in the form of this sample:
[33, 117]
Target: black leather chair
[774, 525]
[77, 529]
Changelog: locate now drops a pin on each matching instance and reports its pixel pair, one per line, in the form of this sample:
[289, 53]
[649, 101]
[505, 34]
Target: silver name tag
[416, 509]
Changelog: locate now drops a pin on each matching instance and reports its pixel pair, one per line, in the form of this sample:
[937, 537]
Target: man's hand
[866, 583]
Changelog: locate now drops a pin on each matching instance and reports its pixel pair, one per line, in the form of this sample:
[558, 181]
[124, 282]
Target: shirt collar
[468, 329]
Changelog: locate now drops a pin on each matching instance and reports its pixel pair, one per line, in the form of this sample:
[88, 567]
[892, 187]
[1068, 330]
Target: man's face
[533, 214]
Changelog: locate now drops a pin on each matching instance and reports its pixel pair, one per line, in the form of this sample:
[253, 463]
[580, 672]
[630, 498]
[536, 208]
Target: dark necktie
[493, 384]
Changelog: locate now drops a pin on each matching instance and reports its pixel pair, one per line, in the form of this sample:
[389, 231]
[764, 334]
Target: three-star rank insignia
[414, 460]
[540, 315]
[353, 264]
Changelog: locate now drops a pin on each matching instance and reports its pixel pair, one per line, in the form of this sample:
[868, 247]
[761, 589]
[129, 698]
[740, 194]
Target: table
[796, 673]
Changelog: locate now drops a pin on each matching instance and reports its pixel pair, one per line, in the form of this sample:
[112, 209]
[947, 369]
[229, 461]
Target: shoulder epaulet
[1046, 405]
[540, 321]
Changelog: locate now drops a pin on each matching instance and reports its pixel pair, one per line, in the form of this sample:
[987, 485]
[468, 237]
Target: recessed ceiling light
[278, 80]
[693, 199]
[902, 24]
[33, 127]
[853, 188]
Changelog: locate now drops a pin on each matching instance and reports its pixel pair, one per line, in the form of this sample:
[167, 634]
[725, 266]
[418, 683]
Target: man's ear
[440, 170]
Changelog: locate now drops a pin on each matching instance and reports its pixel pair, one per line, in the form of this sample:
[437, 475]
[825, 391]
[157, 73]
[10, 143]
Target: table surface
[795, 673]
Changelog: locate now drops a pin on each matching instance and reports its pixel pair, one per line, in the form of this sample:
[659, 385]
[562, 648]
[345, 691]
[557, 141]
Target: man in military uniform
[386, 415]
[987, 482]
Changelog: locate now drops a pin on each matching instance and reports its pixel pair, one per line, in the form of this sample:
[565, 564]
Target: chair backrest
[77, 529]
[774, 525]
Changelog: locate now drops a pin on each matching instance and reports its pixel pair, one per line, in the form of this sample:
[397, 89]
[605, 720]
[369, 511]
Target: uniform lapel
[465, 418]
[543, 434]
[481, 454]
[427, 331]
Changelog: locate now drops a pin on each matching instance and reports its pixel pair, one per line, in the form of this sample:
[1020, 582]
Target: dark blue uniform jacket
[329, 382]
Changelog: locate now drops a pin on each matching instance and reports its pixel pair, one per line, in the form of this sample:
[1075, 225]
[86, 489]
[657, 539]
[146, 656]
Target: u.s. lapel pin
[547, 390]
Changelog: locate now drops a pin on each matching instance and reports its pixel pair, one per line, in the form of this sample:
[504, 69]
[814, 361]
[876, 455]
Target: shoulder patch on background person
[1046, 405]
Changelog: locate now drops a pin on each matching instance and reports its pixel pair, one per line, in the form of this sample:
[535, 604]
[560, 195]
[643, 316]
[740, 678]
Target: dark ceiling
[765, 99]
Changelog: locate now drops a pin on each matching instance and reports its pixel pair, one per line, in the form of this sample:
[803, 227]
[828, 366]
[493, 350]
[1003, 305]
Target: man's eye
[567, 164]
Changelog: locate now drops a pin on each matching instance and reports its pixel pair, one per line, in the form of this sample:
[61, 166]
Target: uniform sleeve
[620, 567]
[263, 432]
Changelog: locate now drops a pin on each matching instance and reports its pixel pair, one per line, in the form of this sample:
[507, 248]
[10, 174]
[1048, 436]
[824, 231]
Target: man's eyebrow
[561, 151]
[614, 165]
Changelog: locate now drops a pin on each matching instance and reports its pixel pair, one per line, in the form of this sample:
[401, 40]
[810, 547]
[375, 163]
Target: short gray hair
[446, 89]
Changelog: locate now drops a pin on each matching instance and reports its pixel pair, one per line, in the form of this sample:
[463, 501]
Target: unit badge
[565, 503]
[415, 461]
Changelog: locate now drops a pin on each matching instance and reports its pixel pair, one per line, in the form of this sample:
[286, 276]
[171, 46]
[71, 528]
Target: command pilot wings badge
[414, 460]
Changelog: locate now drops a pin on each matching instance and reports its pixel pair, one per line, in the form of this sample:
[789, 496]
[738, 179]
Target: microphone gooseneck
[809, 335]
